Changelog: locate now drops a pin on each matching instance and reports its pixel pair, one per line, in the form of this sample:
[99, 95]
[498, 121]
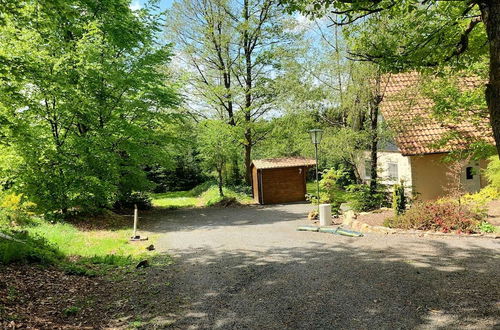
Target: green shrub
[399, 199]
[141, 199]
[70, 311]
[361, 199]
[15, 210]
[444, 216]
[482, 197]
[492, 172]
[201, 188]
[486, 227]
[26, 248]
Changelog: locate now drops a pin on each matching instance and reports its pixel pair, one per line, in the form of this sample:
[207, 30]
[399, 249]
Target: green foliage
[141, 199]
[27, 248]
[492, 172]
[218, 144]
[486, 227]
[361, 199]
[72, 310]
[14, 209]
[479, 201]
[399, 199]
[443, 215]
[84, 105]
[332, 183]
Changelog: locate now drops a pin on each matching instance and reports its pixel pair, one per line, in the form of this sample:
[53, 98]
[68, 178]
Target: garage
[280, 180]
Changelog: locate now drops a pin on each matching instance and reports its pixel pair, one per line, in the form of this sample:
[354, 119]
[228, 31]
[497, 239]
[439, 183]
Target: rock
[345, 207]
[365, 227]
[142, 264]
[151, 248]
[356, 225]
[348, 218]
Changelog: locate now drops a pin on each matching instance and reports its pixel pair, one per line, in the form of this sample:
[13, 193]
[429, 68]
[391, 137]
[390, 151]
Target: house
[421, 142]
[280, 180]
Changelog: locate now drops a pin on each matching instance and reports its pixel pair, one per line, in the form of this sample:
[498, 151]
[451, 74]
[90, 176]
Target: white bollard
[325, 215]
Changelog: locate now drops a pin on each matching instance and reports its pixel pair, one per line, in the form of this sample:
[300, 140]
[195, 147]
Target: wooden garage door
[283, 185]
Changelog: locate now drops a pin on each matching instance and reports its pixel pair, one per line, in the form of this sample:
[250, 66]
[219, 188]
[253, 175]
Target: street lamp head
[316, 135]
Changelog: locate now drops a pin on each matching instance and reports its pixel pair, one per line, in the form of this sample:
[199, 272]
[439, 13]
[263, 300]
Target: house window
[469, 173]
[368, 168]
[392, 169]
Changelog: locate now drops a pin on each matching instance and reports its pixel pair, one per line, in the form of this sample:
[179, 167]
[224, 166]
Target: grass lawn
[175, 199]
[204, 195]
[64, 243]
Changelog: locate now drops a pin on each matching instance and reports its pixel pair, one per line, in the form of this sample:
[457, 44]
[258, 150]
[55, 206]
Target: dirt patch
[228, 202]
[107, 221]
[375, 218]
[38, 297]
[494, 212]
[46, 298]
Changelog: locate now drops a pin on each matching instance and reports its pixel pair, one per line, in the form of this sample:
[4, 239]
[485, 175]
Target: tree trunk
[248, 161]
[374, 110]
[219, 172]
[248, 93]
[490, 12]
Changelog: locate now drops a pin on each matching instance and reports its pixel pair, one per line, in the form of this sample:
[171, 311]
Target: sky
[163, 4]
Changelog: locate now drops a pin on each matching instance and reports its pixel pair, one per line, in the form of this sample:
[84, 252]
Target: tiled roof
[417, 131]
[283, 162]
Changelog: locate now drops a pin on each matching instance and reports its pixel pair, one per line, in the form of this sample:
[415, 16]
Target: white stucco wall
[383, 160]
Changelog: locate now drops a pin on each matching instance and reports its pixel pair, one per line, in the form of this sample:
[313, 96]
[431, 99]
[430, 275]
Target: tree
[425, 34]
[205, 38]
[232, 51]
[85, 100]
[217, 142]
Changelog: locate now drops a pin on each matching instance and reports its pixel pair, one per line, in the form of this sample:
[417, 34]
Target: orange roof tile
[417, 131]
[283, 162]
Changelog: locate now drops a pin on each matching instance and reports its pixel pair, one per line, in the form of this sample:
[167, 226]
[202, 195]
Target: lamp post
[316, 135]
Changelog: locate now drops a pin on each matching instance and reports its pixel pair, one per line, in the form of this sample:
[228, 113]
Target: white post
[135, 221]
[325, 215]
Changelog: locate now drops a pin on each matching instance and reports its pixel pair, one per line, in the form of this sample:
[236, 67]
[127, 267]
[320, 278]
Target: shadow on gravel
[328, 286]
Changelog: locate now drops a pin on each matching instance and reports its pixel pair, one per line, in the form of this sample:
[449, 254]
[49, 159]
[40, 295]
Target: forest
[111, 105]
[101, 104]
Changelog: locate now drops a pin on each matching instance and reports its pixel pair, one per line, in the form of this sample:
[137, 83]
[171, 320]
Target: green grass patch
[175, 199]
[206, 194]
[212, 197]
[96, 243]
[76, 251]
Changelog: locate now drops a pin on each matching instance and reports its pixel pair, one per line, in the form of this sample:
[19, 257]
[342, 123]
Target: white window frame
[390, 172]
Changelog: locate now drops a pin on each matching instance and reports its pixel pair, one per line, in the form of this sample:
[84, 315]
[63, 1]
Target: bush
[482, 197]
[141, 199]
[486, 227]
[444, 216]
[15, 210]
[362, 200]
[27, 248]
[399, 199]
[492, 172]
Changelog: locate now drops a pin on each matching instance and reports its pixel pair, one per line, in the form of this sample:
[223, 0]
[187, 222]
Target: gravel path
[250, 268]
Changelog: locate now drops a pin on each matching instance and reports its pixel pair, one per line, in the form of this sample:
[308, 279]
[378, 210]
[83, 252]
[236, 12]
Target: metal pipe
[317, 175]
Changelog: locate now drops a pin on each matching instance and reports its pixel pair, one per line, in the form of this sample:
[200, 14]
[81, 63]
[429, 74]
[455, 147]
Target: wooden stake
[135, 221]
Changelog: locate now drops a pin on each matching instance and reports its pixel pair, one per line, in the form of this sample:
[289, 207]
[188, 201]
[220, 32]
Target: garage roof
[283, 162]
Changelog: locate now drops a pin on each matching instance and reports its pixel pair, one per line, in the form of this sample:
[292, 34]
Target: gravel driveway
[250, 268]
